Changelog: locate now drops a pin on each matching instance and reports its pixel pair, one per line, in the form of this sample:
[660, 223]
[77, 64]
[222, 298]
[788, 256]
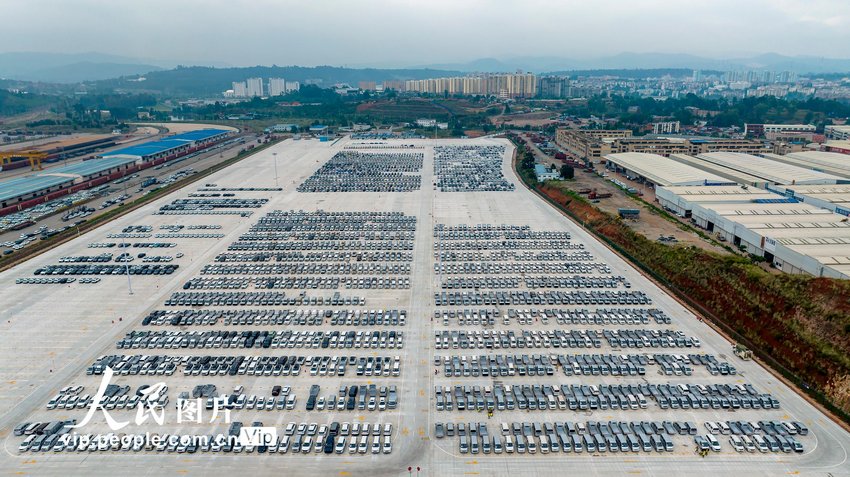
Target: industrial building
[759, 130]
[839, 132]
[21, 193]
[591, 145]
[20, 190]
[59, 148]
[828, 162]
[831, 197]
[660, 171]
[796, 237]
[731, 174]
[545, 174]
[771, 171]
[172, 146]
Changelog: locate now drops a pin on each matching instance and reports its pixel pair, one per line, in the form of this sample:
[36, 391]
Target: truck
[742, 352]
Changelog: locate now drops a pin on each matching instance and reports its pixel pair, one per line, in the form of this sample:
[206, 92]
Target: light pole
[274, 155]
[126, 266]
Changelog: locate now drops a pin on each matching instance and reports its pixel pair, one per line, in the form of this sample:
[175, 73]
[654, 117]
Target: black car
[329, 444]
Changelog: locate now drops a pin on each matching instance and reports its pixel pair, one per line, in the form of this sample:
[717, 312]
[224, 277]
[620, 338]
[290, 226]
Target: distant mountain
[76, 67]
[69, 68]
[205, 81]
[629, 60]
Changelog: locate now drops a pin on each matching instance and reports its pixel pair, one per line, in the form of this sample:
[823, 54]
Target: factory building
[657, 170]
[24, 192]
[171, 147]
[15, 192]
[828, 162]
[796, 237]
[830, 197]
[771, 171]
[724, 172]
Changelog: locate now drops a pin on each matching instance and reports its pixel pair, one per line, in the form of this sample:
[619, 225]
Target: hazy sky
[390, 32]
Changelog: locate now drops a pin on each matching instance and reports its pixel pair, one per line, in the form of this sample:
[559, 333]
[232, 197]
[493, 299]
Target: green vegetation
[636, 111]
[12, 104]
[567, 172]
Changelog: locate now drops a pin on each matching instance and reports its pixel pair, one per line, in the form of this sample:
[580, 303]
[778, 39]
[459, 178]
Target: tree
[567, 172]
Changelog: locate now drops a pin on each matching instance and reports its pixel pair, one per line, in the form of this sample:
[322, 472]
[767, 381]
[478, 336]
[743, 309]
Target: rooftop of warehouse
[92, 166]
[12, 188]
[166, 144]
[767, 169]
[661, 170]
[740, 177]
[198, 134]
[147, 148]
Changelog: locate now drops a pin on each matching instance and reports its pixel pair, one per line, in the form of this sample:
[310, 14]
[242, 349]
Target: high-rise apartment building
[240, 90]
[255, 87]
[277, 86]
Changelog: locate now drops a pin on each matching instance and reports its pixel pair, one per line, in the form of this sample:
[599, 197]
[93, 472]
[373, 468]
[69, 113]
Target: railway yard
[381, 309]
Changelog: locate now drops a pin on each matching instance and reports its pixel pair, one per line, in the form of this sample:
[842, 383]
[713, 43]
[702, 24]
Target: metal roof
[663, 171]
[92, 166]
[198, 134]
[167, 144]
[732, 174]
[773, 171]
[147, 149]
[19, 186]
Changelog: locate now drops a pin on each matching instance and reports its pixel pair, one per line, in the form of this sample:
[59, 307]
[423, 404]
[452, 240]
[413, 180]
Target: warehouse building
[794, 236]
[771, 171]
[23, 189]
[14, 191]
[731, 174]
[657, 170]
[171, 147]
[831, 197]
[828, 162]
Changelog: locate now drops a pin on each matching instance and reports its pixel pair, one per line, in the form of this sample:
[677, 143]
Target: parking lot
[320, 312]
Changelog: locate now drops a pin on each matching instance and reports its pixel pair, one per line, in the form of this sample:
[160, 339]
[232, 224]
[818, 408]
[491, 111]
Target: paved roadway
[50, 333]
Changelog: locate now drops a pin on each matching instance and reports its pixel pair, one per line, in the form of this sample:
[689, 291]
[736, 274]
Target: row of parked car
[489, 339]
[550, 297]
[259, 299]
[195, 365]
[576, 254]
[266, 316]
[491, 232]
[106, 269]
[316, 256]
[583, 316]
[355, 171]
[279, 339]
[212, 203]
[470, 169]
[182, 235]
[532, 282]
[506, 245]
[327, 245]
[363, 397]
[578, 364]
[606, 396]
[341, 268]
[128, 245]
[547, 268]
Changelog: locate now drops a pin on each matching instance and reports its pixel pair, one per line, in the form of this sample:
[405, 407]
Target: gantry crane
[34, 157]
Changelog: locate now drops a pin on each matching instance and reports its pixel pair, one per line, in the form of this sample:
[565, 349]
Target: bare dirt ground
[650, 224]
